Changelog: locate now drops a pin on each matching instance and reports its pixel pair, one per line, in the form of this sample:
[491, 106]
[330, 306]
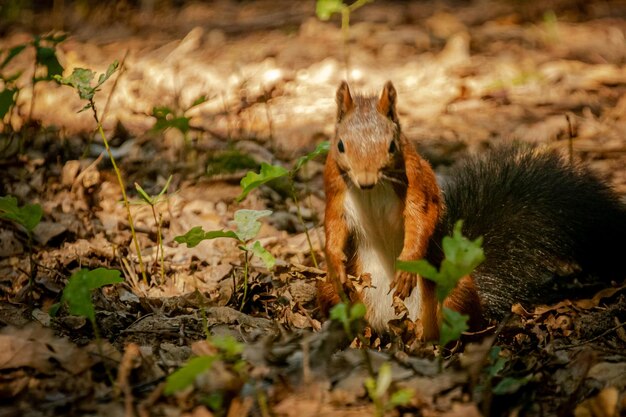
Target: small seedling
[28, 216]
[228, 350]
[248, 227]
[81, 80]
[167, 118]
[77, 297]
[462, 256]
[326, 8]
[45, 57]
[77, 293]
[10, 91]
[378, 390]
[45, 66]
[269, 172]
[152, 201]
[348, 316]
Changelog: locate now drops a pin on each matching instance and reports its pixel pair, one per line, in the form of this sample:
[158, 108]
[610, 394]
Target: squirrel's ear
[387, 103]
[344, 100]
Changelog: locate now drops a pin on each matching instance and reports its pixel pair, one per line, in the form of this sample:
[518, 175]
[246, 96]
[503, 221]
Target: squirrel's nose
[367, 180]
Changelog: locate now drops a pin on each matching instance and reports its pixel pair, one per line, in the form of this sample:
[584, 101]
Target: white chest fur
[375, 218]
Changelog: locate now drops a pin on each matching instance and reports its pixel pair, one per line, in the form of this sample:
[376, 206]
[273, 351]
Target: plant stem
[245, 279]
[96, 332]
[301, 220]
[159, 250]
[160, 242]
[32, 97]
[121, 182]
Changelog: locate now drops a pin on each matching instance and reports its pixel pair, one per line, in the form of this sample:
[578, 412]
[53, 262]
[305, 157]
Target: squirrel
[540, 217]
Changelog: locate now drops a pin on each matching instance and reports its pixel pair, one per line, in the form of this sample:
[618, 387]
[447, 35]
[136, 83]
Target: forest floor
[469, 75]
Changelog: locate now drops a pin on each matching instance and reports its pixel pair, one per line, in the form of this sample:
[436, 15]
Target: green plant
[269, 172]
[10, 90]
[152, 201]
[228, 350]
[326, 8]
[378, 391]
[28, 216]
[46, 67]
[462, 256]
[77, 293]
[248, 227]
[229, 161]
[168, 118]
[45, 57]
[507, 384]
[348, 315]
[77, 297]
[81, 80]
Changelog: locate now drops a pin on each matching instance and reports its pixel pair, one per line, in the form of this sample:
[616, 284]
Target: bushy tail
[541, 218]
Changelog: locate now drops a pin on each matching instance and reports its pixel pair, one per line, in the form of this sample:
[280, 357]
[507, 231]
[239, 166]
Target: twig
[119, 75]
[593, 339]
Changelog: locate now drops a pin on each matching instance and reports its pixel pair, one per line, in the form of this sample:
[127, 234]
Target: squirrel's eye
[340, 147]
[392, 146]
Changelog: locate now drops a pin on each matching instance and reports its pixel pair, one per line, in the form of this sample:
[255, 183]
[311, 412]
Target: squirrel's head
[367, 135]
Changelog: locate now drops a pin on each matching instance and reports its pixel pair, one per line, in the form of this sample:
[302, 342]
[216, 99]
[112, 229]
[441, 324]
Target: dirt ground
[469, 75]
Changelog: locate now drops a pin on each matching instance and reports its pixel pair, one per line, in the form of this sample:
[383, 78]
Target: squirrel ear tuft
[344, 100]
[387, 103]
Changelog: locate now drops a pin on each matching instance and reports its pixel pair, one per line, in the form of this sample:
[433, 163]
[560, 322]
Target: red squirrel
[383, 203]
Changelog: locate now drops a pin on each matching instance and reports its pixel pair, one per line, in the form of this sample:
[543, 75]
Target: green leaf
[105, 76]
[198, 101]
[166, 119]
[247, 223]
[339, 313]
[325, 8]
[421, 267]
[215, 401]
[357, 311]
[47, 57]
[263, 254]
[384, 380]
[497, 362]
[510, 385]
[186, 375]
[55, 38]
[228, 345]
[54, 309]
[77, 292]
[13, 52]
[144, 195]
[165, 187]
[462, 256]
[7, 100]
[80, 79]
[453, 325]
[152, 200]
[196, 235]
[229, 161]
[401, 397]
[321, 149]
[253, 180]
[29, 215]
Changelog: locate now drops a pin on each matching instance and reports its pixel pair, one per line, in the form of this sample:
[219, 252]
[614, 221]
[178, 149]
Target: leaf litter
[467, 76]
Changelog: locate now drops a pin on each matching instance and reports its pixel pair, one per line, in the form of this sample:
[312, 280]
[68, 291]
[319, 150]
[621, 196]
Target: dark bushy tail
[540, 217]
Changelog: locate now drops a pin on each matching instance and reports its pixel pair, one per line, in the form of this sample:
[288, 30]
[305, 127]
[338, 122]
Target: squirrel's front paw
[404, 282]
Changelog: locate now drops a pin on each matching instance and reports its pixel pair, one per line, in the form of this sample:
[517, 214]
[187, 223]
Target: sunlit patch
[272, 75]
[356, 74]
